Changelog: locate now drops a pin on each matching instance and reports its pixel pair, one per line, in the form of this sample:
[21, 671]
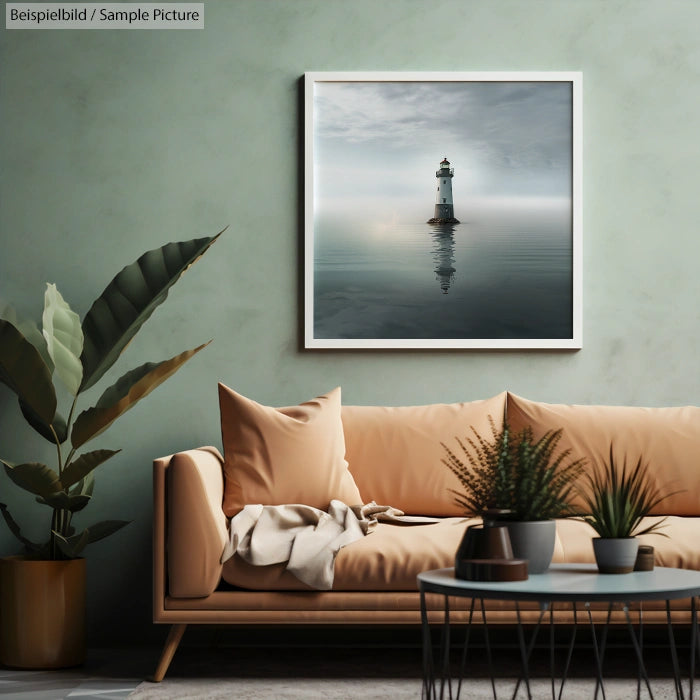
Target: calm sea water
[497, 275]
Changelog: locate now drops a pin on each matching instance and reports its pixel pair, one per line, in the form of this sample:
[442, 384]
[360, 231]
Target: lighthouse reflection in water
[504, 272]
[444, 254]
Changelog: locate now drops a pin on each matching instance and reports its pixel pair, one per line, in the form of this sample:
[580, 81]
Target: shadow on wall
[120, 609]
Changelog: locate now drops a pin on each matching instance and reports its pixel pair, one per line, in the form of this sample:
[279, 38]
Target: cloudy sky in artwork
[379, 143]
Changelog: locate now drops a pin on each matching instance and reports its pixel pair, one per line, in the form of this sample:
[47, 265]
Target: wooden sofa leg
[169, 649]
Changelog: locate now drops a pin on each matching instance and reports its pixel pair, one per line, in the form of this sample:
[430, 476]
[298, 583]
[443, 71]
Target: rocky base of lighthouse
[450, 220]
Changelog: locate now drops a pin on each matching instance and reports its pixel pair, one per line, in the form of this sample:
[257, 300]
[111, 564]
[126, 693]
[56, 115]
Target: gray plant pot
[615, 555]
[534, 541]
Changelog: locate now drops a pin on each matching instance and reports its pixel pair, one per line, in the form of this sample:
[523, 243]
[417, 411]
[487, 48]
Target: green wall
[114, 142]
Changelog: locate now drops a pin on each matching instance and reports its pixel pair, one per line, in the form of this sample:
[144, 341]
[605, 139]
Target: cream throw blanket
[307, 538]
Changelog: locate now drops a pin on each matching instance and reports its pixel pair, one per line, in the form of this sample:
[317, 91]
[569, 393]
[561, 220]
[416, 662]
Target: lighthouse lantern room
[444, 206]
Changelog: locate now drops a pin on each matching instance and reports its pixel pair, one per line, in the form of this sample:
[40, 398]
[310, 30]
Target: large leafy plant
[515, 474]
[79, 354]
[617, 498]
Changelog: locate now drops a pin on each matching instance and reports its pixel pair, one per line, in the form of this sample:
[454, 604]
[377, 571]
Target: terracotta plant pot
[42, 613]
[615, 555]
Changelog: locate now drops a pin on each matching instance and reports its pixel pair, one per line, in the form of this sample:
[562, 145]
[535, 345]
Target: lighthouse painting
[442, 210]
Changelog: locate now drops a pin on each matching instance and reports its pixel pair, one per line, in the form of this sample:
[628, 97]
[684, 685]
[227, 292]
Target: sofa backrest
[667, 439]
[395, 453]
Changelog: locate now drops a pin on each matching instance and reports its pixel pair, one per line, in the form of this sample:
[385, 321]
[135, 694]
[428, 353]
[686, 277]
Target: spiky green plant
[514, 473]
[617, 499]
[79, 354]
[483, 471]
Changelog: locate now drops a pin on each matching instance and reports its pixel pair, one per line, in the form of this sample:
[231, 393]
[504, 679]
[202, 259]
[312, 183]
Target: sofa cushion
[390, 558]
[667, 439]
[395, 455]
[275, 456]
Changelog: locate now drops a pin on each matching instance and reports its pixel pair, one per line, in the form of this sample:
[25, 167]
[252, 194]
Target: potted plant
[617, 499]
[524, 479]
[42, 592]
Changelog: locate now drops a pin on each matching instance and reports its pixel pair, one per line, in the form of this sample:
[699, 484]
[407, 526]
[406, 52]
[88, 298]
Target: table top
[571, 582]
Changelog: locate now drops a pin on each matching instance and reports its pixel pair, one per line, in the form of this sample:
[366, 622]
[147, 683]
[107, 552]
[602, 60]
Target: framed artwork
[443, 210]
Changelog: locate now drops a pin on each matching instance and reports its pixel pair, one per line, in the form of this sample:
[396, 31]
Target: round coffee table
[561, 583]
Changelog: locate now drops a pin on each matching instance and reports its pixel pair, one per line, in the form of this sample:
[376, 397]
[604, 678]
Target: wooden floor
[108, 674]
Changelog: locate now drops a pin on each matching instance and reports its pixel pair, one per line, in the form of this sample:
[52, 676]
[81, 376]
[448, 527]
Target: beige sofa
[392, 455]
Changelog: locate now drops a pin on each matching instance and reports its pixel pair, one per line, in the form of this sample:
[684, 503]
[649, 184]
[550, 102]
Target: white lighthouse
[444, 206]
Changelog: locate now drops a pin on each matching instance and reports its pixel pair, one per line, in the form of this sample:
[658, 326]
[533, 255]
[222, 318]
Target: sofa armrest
[190, 528]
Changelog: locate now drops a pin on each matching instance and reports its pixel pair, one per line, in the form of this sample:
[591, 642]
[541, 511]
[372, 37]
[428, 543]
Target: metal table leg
[603, 647]
[693, 643]
[637, 649]
[526, 653]
[445, 679]
[570, 652]
[598, 662]
[465, 647]
[428, 691]
[674, 654]
[551, 649]
[488, 648]
[641, 644]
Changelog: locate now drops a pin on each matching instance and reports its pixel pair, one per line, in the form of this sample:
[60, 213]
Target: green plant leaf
[514, 473]
[58, 424]
[34, 477]
[15, 529]
[79, 468]
[30, 331]
[129, 300]
[74, 545]
[618, 498]
[125, 393]
[64, 501]
[25, 373]
[64, 338]
[85, 486]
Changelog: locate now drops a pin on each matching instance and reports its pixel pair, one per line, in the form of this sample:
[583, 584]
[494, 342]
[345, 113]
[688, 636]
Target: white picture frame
[517, 138]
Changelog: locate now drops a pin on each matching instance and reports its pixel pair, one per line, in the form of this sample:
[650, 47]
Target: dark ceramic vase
[485, 554]
[485, 542]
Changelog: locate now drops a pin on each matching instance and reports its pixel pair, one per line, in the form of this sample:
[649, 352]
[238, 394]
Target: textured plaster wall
[114, 142]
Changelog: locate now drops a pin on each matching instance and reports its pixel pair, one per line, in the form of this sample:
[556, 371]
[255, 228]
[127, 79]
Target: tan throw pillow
[395, 455]
[275, 456]
[667, 439]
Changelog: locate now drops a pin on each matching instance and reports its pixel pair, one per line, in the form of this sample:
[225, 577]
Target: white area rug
[380, 689]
